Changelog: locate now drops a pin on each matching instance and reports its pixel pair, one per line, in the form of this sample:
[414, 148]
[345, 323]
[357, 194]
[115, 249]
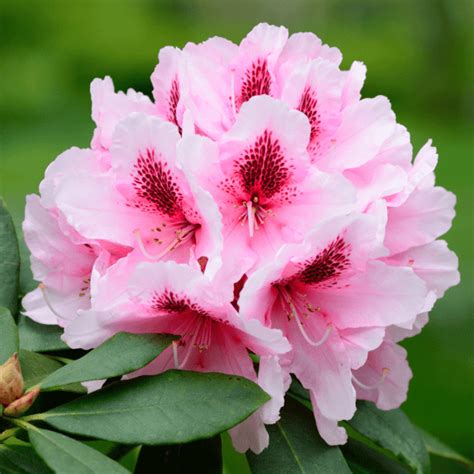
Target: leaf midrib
[290, 446]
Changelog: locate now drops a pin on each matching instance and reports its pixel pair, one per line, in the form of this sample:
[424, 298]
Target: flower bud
[11, 380]
[18, 407]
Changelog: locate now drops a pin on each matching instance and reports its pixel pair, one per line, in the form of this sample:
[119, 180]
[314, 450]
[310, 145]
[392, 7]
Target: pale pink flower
[145, 200]
[331, 296]
[171, 298]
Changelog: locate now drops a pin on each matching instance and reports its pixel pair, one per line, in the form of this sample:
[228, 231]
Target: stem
[8, 433]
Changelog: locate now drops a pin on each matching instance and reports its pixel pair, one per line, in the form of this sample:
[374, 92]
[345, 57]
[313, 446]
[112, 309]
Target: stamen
[42, 287]
[250, 217]
[385, 372]
[182, 236]
[295, 315]
[191, 344]
[174, 345]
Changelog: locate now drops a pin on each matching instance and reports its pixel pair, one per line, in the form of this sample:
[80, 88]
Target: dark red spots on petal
[308, 105]
[256, 81]
[262, 169]
[173, 100]
[155, 186]
[327, 266]
[170, 302]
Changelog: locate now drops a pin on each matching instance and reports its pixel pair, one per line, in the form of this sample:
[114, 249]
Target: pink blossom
[172, 298]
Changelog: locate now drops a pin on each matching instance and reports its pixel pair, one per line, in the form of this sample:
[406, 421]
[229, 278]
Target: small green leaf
[39, 337]
[438, 448]
[8, 335]
[364, 460]
[393, 431]
[200, 456]
[36, 367]
[119, 355]
[174, 407]
[64, 454]
[296, 447]
[21, 460]
[9, 262]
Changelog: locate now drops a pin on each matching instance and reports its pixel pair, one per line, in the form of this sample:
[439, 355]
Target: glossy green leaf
[364, 460]
[296, 447]
[39, 337]
[66, 455]
[21, 460]
[438, 448]
[119, 355]
[393, 431]
[9, 262]
[174, 407]
[8, 335]
[199, 456]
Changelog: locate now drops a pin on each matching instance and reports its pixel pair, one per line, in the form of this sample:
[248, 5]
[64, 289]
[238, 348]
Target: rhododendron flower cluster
[256, 205]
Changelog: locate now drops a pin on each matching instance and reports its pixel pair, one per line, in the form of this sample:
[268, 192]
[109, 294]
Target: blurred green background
[418, 53]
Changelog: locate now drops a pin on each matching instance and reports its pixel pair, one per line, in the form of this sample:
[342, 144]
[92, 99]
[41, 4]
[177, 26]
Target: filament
[250, 217]
[294, 313]
[174, 345]
[182, 236]
[385, 372]
[42, 287]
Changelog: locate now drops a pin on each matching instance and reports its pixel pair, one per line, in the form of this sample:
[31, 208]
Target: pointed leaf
[36, 367]
[9, 262]
[119, 355]
[21, 460]
[199, 456]
[174, 407]
[39, 337]
[8, 335]
[438, 448]
[296, 447]
[64, 454]
[392, 430]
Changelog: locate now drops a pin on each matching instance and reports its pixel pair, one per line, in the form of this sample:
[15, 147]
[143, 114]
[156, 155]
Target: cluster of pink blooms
[256, 205]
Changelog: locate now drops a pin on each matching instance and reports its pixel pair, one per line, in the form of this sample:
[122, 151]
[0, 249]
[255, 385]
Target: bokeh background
[418, 53]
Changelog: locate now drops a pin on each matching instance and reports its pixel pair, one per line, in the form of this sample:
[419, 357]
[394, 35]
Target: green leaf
[200, 456]
[8, 335]
[296, 447]
[39, 337]
[36, 367]
[21, 460]
[438, 448]
[174, 407]
[119, 355]
[9, 262]
[64, 454]
[393, 431]
[364, 460]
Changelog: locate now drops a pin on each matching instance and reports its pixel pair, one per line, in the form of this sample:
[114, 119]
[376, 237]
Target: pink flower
[331, 296]
[144, 200]
[167, 297]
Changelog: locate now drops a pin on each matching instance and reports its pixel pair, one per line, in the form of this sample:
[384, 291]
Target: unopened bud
[11, 380]
[18, 407]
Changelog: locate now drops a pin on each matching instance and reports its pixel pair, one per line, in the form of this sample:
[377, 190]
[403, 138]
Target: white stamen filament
[289, 301]
[174, 345]
[374, 386]
[250, 217]
[191, 344]
[42, 287]
[182, 236]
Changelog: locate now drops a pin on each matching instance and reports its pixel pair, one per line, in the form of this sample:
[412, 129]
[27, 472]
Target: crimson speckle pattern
[327, 266]
[170, 302]
[155, 186]
[308, 105]
[256, 81]
[263, 170]
[173, 100]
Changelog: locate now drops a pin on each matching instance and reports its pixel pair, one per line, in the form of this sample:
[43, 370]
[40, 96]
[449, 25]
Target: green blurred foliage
[418, 53]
